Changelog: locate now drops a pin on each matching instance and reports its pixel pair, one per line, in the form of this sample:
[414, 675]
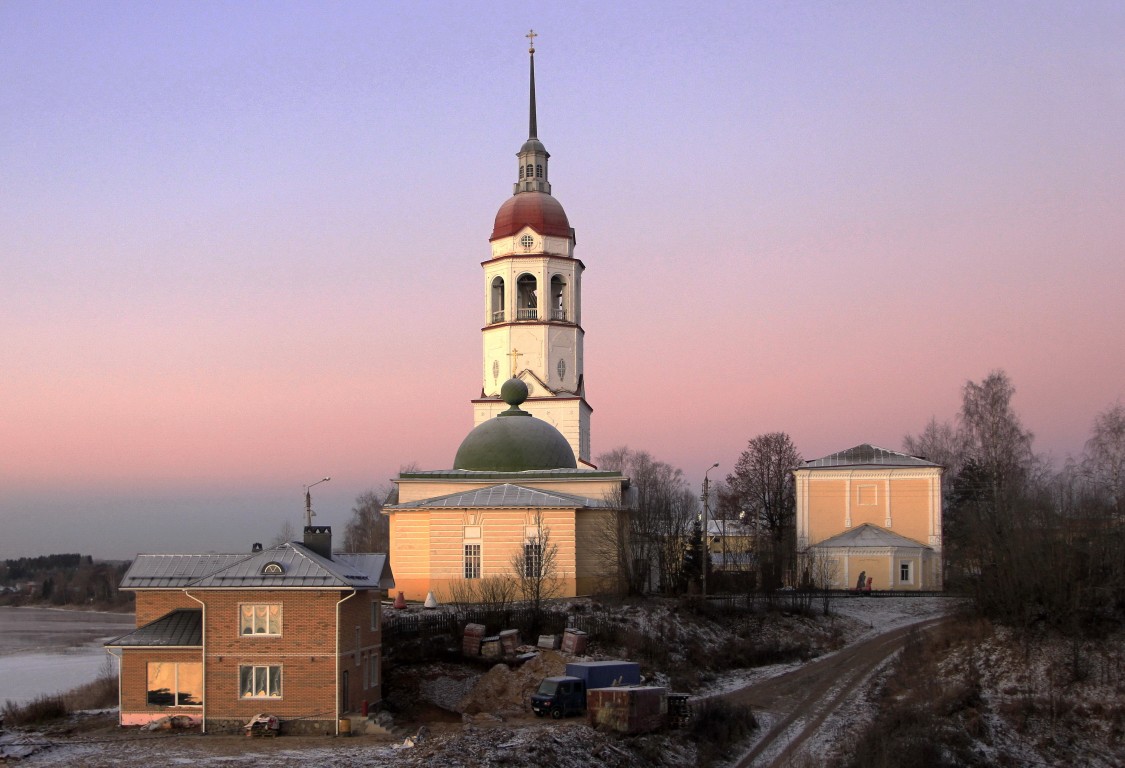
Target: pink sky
[240, 245]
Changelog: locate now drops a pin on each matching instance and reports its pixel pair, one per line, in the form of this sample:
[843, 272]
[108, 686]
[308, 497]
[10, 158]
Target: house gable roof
[868, 535]
[867, 455]
[182, 628]
[504, 495]
[300, 567]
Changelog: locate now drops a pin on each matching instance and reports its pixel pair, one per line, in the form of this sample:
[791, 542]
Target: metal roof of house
[182, 628]
[504, 495]
[867, 455]
[300, 567]
[868, 535]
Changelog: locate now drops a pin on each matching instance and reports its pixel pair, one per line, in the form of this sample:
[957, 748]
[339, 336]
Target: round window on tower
[527, 241]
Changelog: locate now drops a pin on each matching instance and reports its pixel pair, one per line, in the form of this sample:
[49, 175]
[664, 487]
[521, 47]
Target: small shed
[627, 708]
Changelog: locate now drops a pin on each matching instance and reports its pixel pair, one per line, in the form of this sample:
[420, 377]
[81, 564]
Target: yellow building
[871, 512]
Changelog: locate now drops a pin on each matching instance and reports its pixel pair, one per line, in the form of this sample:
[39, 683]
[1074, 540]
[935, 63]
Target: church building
[522, 483]
[874, 517]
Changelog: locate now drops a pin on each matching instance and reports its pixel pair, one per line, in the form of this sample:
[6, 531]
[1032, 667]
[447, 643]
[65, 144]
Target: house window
[376, 612]
[357, 646]
[532, 559]
[261, 619]
[905, 572]
[373, 670]
[472, 561]
[175, 684]
[272, 569]
[262, 682]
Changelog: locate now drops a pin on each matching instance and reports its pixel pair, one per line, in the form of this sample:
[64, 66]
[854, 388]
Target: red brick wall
[134, 679]
[356, 612]
[152, 604]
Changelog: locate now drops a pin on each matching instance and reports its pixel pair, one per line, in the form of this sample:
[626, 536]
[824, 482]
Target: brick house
[293, 631]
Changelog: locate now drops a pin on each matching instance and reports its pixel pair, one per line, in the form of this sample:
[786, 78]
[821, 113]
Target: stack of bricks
[470, 644]
[574, 642]
[509, 641]
[490, 647]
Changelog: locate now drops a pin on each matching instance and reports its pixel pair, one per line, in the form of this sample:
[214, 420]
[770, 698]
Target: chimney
[257, 547]
[318, 538]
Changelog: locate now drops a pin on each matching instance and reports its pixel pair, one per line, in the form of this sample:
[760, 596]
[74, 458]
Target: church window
[538, 171]
[527, 241]
[472, 561]
[866, 495]
[260, 619]
[527, 301]
[497, 308]
[558, 298]
[904, 572]
[175, 684]
[262, 682]
[532, 559]
[521, 171]
[529, 170]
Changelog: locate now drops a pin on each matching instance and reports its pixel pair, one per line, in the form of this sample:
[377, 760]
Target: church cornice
[560, 323]
[531, 257]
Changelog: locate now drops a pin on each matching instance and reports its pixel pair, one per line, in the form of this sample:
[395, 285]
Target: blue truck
[566, 694]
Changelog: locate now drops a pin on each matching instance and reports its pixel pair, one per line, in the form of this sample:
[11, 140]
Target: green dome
[514, 441]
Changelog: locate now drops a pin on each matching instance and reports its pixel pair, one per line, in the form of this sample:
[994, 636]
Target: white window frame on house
[175, 692]
[906, 567]
[268, 670]
[251, 628]
[472, 559]
[376, 613]
[373, 670]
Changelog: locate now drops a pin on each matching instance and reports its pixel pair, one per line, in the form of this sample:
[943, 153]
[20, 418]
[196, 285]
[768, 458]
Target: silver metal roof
[868, 535]
[505, 495]
[300, 567]
[179, 629]
[867, 455]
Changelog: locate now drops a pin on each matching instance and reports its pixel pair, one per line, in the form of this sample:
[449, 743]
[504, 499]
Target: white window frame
[532, 563]
[908, 567]
[269, 678]
[472, 564]
[373, 670]
[175, 684]
[254, 619]
[376, 613]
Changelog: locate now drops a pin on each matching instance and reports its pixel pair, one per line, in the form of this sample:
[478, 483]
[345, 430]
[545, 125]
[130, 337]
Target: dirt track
[813, 692]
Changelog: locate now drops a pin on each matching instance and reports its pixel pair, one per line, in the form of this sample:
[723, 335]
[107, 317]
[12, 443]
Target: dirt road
[799, 702]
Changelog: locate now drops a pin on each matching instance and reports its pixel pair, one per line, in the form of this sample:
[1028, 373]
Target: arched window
[527, 301]
[529, 170]
[538, 171]
[497, 300]
[558, 298]
[521, 171]
[272, 569]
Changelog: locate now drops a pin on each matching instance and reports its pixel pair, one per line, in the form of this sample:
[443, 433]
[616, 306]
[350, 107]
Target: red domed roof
[537, 210]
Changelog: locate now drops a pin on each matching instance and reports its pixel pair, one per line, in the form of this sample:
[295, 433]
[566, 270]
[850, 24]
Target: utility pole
[706, 535]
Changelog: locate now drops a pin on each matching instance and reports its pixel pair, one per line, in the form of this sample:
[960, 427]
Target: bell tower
[533, 301]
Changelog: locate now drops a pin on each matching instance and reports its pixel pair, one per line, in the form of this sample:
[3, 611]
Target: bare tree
[819, 572]
[535, 566]
[287, 533]
[1105, 455]
[761, 491]
[938, 442]
[648, 530]
[993, 436]
[368, 530]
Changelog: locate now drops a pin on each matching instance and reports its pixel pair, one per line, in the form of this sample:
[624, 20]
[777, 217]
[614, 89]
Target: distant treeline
[66, 579]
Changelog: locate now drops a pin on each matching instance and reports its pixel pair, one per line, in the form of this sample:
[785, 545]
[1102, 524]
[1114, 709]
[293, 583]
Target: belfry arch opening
[558, 298]
[497, 300]
[527, 302]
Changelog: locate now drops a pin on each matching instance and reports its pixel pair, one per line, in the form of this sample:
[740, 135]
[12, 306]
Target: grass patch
[99, 693]
[717, 726]
[40, 710]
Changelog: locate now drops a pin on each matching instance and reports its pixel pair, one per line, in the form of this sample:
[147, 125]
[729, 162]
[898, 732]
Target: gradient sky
[240, 243]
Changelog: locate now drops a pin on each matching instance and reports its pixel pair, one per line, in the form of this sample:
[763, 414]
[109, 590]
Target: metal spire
[532, 129]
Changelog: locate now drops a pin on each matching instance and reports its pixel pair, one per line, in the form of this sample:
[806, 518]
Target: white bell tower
[533, 302]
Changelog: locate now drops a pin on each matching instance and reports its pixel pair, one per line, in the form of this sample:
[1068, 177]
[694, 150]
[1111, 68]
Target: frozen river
[47, 650]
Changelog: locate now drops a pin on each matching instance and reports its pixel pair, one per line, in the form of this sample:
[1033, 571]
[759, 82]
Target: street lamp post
[706, 535]
[308, 500]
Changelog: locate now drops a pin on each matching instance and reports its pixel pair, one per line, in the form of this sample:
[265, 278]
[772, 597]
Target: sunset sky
[240, 243]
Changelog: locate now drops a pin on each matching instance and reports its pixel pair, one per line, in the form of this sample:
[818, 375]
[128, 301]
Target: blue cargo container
[603, 674]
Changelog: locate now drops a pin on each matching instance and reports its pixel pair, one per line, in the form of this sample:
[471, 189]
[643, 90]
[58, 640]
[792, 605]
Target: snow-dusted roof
[299, 566]
[867, 455]
[182, 628]
[868, 535]
[504, 495]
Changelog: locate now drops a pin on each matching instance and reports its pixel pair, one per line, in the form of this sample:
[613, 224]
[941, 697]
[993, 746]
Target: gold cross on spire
[515, 354]
[531, 41]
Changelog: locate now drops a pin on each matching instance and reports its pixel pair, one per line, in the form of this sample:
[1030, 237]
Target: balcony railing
[498, 316]
[530, 313]
[558, 314]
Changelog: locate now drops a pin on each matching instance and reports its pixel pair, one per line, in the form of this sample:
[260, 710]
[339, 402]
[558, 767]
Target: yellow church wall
[910, 508]
[877, 568]
[594, 488]
[595, 558]
[827, 508]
